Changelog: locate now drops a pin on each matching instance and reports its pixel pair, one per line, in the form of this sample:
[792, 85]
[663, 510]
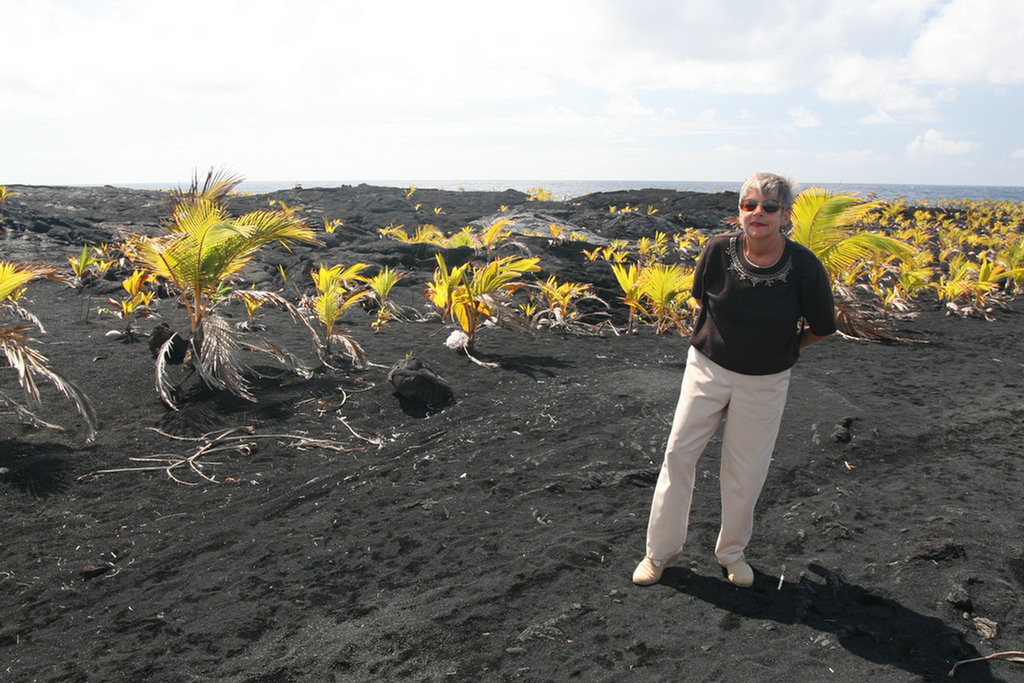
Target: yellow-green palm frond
[463, 238]
[264, 227]
[338, 276]
[627, 277]
[496, 233]
[440, 289]
[427, 234]
[384, 281]
[467, 312]
[5, 195]
[666, 290]
[194, 214]
[14, 277]
[826, 224]
[330, 304]
[665, 285]
[195, 260]
[500, 273]
[324, 277]
[217, 187]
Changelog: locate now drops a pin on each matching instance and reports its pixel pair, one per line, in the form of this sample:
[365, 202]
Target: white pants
[752, 406]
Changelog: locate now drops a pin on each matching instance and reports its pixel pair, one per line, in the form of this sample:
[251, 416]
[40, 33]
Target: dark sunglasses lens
[750, 205]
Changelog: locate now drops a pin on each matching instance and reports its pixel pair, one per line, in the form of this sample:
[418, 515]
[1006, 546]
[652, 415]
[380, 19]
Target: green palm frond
[200, 255]
[826, 224]
[216, 189]
[204, 246]
[14, 277]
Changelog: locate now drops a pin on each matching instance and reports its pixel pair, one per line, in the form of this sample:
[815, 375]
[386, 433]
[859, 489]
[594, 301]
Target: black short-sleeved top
[749, 316]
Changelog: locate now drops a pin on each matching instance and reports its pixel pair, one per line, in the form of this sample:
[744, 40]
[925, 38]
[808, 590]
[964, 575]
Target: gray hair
[771, 185]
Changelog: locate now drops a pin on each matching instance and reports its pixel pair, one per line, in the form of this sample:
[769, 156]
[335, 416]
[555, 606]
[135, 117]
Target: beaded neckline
[739, 266]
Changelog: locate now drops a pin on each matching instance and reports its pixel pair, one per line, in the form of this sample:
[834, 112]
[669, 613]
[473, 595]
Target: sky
[874, 91]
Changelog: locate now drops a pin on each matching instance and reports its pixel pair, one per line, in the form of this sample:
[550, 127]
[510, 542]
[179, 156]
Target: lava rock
[416, 382]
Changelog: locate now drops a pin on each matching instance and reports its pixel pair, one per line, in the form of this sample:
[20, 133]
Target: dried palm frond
[163, 356]
[218, 361]
[28, 363]
[857, 321]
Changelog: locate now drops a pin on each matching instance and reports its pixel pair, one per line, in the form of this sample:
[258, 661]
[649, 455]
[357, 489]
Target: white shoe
[739, 574]
[649, 571]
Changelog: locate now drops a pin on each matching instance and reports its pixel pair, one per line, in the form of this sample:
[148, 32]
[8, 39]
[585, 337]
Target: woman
[762, 299]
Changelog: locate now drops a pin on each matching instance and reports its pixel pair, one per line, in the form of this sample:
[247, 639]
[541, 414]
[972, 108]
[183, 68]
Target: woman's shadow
[875, 628]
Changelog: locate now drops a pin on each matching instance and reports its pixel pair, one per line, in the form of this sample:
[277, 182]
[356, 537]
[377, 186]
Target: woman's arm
[807, 338]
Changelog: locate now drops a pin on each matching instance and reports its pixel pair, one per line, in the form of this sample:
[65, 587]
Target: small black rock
[414, 381]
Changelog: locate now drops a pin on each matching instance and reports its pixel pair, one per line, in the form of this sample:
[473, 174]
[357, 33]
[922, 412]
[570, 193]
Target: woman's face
[759, 223]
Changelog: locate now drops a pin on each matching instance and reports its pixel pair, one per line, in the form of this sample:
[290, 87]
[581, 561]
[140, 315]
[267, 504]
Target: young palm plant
[666, 291]
[338, 289]
[133, 308]
[28, 363]
[561, 310]
[826, 224]
[381, 285]
[629, 280]
[475, 295]
[199, 257]
[5, 196]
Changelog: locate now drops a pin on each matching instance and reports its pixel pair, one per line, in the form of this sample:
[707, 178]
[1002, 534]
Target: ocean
[566, 189]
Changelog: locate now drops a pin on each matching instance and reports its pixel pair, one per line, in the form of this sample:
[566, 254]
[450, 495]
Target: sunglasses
[769, 206]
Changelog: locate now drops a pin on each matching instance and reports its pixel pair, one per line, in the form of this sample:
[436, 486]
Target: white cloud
[707, 116]
[971, 40]
[932, 142]
[114, 88]
[1018, 154]
[801, 117]
[878, 117]
[879, 83]
[628, 108]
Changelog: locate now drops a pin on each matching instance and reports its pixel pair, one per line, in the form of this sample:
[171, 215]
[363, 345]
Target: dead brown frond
[222, 441]
[28, 363]
[852, 320]
[219, 364]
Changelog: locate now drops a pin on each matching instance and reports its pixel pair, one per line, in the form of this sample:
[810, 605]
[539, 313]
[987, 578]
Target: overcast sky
[876, 91]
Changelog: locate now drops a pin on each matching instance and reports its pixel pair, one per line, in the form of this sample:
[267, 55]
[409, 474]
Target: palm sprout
[666, 291]
[28, 363]
[561, 302]
[338, 289]
[826, 224]
[200, 256]
[473, 296]
[381, 285]
[629, 280]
